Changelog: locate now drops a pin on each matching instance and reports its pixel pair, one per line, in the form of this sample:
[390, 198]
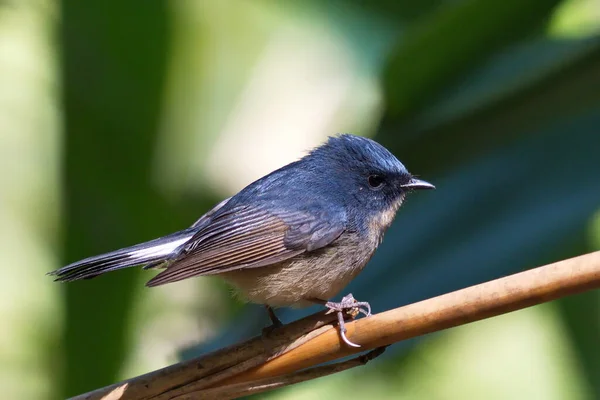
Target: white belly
[319, 275]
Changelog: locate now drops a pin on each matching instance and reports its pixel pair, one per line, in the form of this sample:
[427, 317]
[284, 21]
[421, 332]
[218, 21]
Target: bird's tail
[154, 252]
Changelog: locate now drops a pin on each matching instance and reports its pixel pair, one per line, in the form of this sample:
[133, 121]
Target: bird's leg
[276, 323]
[349, 306]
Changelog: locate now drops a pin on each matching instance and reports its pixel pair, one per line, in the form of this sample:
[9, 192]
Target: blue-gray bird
[295, 237]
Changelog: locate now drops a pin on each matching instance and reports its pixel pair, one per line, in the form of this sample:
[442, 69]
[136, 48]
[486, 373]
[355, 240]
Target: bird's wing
[251, 237]
[206, 217]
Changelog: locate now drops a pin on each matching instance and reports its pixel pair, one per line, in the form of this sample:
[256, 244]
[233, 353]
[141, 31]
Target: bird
[293, 238]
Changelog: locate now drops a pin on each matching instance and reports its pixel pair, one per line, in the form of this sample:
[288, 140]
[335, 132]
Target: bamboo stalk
[296, 350]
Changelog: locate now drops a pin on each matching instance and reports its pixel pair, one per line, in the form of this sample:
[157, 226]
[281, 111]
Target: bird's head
[370, 178]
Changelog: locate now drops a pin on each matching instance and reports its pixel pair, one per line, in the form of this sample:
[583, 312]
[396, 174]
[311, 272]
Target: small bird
[294, 237]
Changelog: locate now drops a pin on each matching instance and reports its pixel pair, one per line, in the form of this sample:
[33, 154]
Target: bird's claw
[350, 306]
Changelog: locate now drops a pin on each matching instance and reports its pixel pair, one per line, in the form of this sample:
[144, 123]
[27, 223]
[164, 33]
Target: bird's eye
[376, 181]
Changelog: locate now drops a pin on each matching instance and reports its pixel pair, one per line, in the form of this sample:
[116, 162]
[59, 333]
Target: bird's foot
[351, 307]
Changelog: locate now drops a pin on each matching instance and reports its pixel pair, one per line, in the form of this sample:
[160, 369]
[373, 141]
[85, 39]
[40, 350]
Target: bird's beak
[417, 184]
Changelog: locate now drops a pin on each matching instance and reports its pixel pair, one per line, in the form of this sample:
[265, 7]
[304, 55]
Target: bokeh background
[125, 121]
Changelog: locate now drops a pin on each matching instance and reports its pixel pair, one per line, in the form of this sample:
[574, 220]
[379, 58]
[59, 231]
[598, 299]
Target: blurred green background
[125, 121]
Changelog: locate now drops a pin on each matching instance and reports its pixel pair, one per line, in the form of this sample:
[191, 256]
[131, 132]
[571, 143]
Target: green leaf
[452, 41]
[569, 87]
[114, 57]
[405, 11]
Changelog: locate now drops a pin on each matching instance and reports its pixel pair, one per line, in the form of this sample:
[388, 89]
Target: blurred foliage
[168, 107]
[464, 35]
[108, 197]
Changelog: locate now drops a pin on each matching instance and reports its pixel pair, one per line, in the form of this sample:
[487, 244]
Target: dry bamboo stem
[298, 346]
